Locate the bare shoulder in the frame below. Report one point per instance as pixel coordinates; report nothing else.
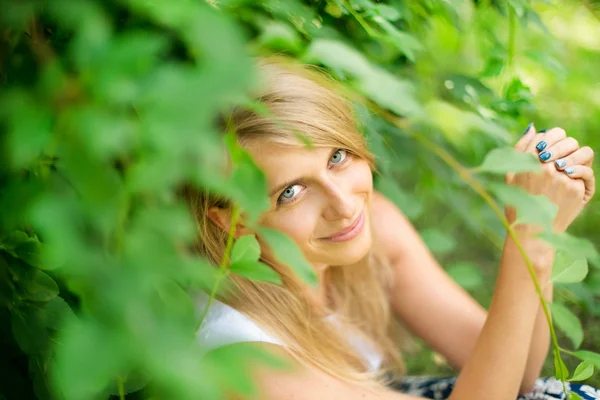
(298, 382)
(391, 228)
(382, 209)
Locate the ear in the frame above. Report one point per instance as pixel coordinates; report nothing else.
(222, 218)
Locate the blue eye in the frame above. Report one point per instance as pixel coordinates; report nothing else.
(338, 156)
(289, 193)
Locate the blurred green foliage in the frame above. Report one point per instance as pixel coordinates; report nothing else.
(107, 108)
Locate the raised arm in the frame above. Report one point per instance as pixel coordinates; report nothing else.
(497, 364)
(432, 305)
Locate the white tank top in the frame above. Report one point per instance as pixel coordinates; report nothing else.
(223, 325)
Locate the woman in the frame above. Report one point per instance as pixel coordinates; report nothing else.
(372, 265)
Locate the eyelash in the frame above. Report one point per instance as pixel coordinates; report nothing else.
(293, 199)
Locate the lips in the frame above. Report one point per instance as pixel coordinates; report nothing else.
(349, 232)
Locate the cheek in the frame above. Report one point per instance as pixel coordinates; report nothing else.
(299, 222)
(361, 177)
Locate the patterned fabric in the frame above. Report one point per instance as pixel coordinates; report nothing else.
(545, 388)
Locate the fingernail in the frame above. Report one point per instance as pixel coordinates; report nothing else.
(545, 156)
(543, 130)
(528, 128)
(569, 170)
(560, 163)
(541, 145)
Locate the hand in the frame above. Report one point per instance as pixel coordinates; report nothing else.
(567, 178)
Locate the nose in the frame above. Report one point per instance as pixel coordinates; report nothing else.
(339, 203)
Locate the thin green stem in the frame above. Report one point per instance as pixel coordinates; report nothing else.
(121, 388)
(512, 34)
(567, 352)
(360, 19)
(235, 213)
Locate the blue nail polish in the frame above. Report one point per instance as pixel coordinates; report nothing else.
(545, 156)
(528, 128)
(569, 170)
(560, 163)
(541, 145)
(543, 130)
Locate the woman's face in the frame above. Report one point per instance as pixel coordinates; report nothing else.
(321, 198)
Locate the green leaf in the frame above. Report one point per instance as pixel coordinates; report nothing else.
(339, 57)
(567, 270)
(574, 396)
(54, 312)
(560, 369)
(232, 362)
(38, 373)
(334, 9)
(466, 275)
(41, 288)
(280, 35)
(252, 352)
(29, 128)
(198, 272)
(249, 185)
(531, 209)
(175, 305)
(573, 245)
(29, 331)
(590, 356)
(518, 6)
(583, 372)
(245, 248)
(88, 357)
(507, 159)
(21, 245)
(29, 251)
(13, 239)
(105, 132)
(255, 270)
(406, 43)
(567, 322)
(132, 382)
(438, 241)
(381, 86)
(457, 124)
(493, 67)
(387, 12)
(287, 252)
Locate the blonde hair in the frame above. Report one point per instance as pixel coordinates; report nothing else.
(302, 100)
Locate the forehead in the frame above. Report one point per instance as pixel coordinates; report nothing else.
(280, 162)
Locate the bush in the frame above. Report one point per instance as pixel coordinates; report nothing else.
(107, 108)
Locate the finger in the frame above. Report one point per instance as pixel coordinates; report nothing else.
(582, 156)
(546, 139)
(559, 150)
(587, 175)
(526, 138)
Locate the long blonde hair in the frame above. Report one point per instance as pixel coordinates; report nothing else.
(302, 100)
